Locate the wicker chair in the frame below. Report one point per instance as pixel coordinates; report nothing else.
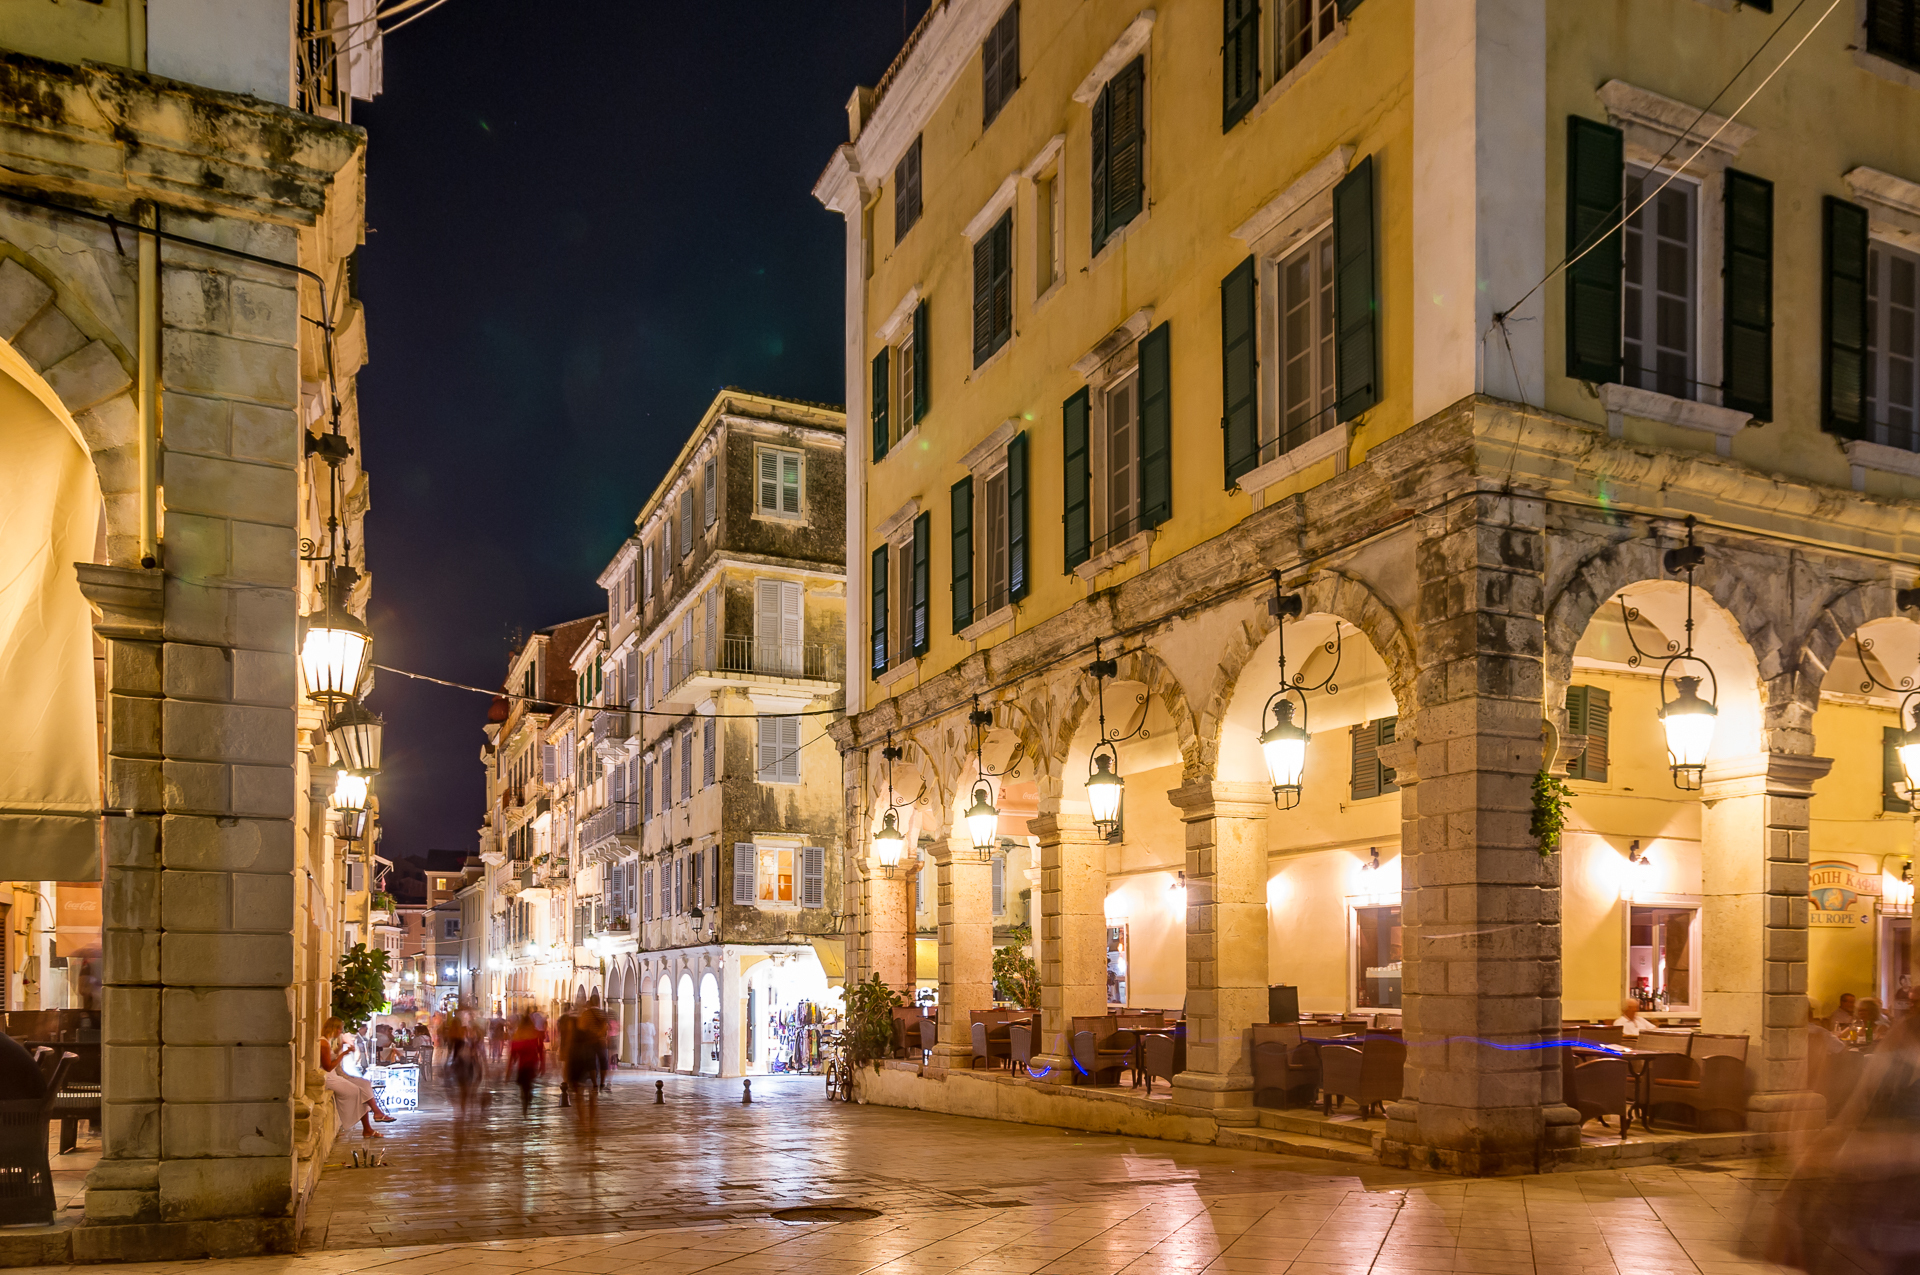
(1285, 1069)
(1098, 1061)
(1156, 1053)
(1019, 1046)
(1368, 1072)
(1596, 1088)
(1710, 1080)
(982, 1053)
(929, 1030)
(26, 1178)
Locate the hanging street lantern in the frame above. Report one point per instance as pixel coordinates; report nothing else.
(1106, 791)
(353, 734)
(349, 792)
(1689, 722)
(1283, 745)
(1687, 718)
(889, 844)
(983, 817)
(333, 654)
(1907, 749)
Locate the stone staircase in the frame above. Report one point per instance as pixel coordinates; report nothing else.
(1302, 1133)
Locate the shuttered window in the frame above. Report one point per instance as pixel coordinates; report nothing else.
(1075, 515)
(990, 545)
(906, 191)
(1844, 304)
(1372, 777)
(1239, 370)
(1893, 778)
(1239, 61)
(882, 391)
(917, 375)
(713, 627)
(778, 750)
(1747, 355)
(877, 621)
(1000, 63)
(686, 522)
(1156, 427)
(666, 774)
(646, 895)
(1596, 175)
(961, 499)
(1590, 713)
(646, 800)
(709, 752)
(779, 625)
(710, 487)
(1892, 367)
(922, 583)
(679, 885)
(1659, 313)
(993, 289)
(1893, 30)
(813, 876)
(999, 885)
(1356, 298)
(744, 863)
(1017, 516)
(1119, 151)
(1304, 26)
(778, 489)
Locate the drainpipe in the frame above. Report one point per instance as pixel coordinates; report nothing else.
(149, 375)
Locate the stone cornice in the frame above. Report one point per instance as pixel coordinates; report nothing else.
(113, 135)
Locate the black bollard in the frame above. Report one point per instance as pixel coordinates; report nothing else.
(659, 1092)
(746, 1093)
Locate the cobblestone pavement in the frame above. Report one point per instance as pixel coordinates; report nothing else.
(690, 1186)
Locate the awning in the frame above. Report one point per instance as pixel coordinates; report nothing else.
(833, 959)
(47, 846)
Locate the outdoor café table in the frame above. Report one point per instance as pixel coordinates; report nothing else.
(1636, 1060)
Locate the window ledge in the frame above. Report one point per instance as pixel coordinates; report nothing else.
(1133, 545)
(1121, 235)
(764, 515)
(1122, 51)
(1299, 71)
(1331, 442)
(990, 360)
(900, 672)
(981, 627)
(1886, 68)
(1626, 400)
(1862, 456)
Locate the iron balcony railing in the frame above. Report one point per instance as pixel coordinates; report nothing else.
(609, 822)
(819, 661)
(612, 726)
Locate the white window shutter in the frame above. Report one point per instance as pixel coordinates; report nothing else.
(770, 481)
(789, 736)
(708, 751)
(711, 506)
(745, 860)
(353, 876)
(549, 762)
(813, 876)
(713, 627)
(766, 615)
(686, 522)
(789, 484)
(792, 619)
(647, 682)
(999, 885)
(686, 634)
(767, 749)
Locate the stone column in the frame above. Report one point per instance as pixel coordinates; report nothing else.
(889, 915)
(1481, 905)
(1753, 927)
(630, 1027)
(965, 894)
(1226, 943)
(1071, 936)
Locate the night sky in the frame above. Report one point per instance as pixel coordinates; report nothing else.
(583, 219)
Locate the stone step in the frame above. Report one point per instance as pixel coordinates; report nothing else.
(1314, 1126)
(1299, 1144)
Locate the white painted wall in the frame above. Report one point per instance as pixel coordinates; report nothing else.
(242, 46)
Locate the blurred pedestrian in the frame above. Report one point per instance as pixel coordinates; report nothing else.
(527, 1057)
(586, 1049)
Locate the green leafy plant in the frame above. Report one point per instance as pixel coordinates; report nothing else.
(870, 1007)
(360, 987)
(382, 901)
(1551, 797)
(1015, 976)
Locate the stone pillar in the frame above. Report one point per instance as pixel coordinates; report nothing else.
(1227, 972)
(1753, 927)
(630, 1028)
(965, 893)
(1071, 936)
(889, 915)
(1481, 906)
(733, 1041)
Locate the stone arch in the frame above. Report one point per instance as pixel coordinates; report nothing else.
(1787, 718)
(1144, 666)
(1326, 592)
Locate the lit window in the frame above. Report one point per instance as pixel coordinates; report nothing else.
(1660, 957)
(1376, 959)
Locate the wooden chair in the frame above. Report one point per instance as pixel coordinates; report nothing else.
(1710, 1080)
(1368, 1072)
(1661, 1041)
(1285, 1067)
(1588, 1034)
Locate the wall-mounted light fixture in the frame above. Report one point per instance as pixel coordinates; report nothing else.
(1687, 718)
(1283, 745)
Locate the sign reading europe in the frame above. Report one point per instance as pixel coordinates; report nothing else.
(1841, 893)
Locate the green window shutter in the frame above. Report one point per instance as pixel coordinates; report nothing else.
(1365, 778)
(1239, 61)
(880, 387)
(1596, 184)
(1893, 779)
(1156, 427)
(1843, 297)
(920, 351)
(922, 582)
(1893, 30)
(1017, 516)
(877, 622)
(1239, 367)
(1346, 8)
(961, 497)
(983, 299)
(1589, 713)
(1748, 358)
(1127, 143)
(1356, 299)
(1001, 237)
(1098, 161)
(1076, 513)
(1386, 730)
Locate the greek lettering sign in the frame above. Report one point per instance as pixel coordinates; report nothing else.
(1842, 894)
(397, 1087)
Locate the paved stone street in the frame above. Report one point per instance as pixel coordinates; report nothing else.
(690, 1186)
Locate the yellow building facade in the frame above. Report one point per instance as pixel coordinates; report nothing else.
(1157, 316)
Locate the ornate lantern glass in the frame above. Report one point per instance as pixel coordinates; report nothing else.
(889, 844)
(983, 821)
(1104, 792)
(333, 655)
(1284, 746)
(349, 792)
(354, 735)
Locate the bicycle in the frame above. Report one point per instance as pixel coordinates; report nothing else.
(839, 1066)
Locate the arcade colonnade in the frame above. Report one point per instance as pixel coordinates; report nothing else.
(1452, 614)
(712, 1010)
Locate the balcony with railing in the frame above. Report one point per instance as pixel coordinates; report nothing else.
(610, 832)
(612, 728)
(742, 660)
